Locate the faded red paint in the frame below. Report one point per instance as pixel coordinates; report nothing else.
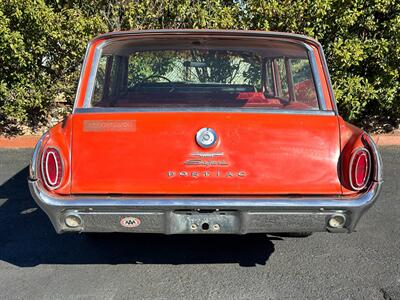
(275, 152)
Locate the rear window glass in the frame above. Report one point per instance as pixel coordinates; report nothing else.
(200, 73)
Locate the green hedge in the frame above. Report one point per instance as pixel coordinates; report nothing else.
(42, 44)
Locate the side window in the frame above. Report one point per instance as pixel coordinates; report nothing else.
(303, 84)
(105, 85)
(291, 79)
(98, 91)
(282, 79)
(269, 78)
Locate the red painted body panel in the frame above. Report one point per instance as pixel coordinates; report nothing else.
(279, 153)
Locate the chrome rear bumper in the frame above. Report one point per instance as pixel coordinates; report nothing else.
(183, 215)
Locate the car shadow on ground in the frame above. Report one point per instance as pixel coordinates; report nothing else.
(27, 239)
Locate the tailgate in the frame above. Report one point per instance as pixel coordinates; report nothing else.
(156, 153)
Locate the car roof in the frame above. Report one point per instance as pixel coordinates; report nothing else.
(210, 32)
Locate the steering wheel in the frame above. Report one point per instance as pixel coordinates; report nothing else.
(156, 76)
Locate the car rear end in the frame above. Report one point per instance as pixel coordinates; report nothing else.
(205, 132)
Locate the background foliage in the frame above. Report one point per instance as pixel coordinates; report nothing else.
(42, 44)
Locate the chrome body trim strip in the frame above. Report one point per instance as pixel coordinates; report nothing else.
(160, 202)
(377, 159)
(200, 110)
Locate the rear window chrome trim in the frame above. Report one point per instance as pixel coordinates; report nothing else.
(93, 73)
(82, 71)
(308, 48)
(317, 81)
(202, 110)
(328, 75)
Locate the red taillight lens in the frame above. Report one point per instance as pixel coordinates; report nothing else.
(360, 169)
(52, 168)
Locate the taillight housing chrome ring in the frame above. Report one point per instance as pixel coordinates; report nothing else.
(47, 154)
(354, 160)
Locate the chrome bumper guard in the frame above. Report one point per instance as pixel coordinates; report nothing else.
(185, 215)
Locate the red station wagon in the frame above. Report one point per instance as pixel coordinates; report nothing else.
(200, 131)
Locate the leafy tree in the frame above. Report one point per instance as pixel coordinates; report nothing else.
(42, 43)
(40, 54)
(361, 40)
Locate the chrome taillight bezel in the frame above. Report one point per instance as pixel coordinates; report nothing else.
(44, 167)
(34, 166)
(354, 185)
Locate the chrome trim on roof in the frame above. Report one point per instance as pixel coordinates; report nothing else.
(245, 33)
(201, 110)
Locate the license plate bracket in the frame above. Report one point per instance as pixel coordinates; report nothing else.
(196, 222)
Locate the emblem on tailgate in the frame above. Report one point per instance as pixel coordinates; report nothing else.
(206, 137)
(202, 159)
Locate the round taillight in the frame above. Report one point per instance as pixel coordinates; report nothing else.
(52, 168)
(360, 169)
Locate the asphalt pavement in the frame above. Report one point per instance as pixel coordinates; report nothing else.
(36, 263)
